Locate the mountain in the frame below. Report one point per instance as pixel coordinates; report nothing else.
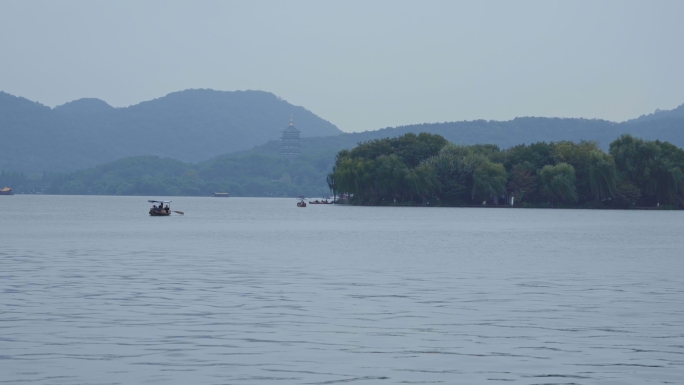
(506, 134)
(191, 126)
(197, 125)
(660, 114)
(85, 106)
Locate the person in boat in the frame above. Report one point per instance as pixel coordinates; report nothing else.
(167, 208)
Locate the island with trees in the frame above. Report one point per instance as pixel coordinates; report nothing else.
(426, 169)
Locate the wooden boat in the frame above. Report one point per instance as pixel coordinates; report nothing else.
(6, 191)
(220, 195)
(159, 211)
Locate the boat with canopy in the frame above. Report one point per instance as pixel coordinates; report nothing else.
(160, 210)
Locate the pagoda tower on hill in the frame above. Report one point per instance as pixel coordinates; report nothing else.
(289, 142)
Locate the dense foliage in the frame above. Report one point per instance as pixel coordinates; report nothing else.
(425, 169)
(244, 174)
(408, 170)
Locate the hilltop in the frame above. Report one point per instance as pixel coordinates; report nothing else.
(660, 114)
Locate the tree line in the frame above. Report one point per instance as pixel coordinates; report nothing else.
(242, 174)
(426, 169)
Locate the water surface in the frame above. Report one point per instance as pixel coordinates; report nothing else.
(258, 291)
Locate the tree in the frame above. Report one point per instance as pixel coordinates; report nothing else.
(523, 182)
(558, 182)
(489, 179)
(332, 184)
(454, 167)
(627, 194)
(389, 178)
(654, 167)
(537, 155)
(602, 175)
(422, 181)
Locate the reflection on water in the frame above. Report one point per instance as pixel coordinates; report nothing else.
(256, 291)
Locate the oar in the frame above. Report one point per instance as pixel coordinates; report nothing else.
(179, 212)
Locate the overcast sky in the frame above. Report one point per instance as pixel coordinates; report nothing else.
(362, 65)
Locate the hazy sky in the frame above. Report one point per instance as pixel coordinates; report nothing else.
(362, 65)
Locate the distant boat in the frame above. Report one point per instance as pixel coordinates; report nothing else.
(301, 203)
(6, 191)
(160, 211)
(220, 195)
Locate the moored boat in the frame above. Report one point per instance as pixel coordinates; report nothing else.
(317, 202)
(6, 191)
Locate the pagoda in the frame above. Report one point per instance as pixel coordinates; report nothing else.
(289, 142)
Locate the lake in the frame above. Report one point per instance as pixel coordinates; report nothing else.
(258, 291)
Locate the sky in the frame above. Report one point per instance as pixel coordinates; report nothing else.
(362, 65)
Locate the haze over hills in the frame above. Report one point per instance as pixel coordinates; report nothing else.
(660, 114)
(527, 130)
(190, 125)
(262, 171)
(197, 125)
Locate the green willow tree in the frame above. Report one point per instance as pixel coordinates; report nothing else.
(489, 180)
(654, 167)
(558, 183)
(602, 175)
(454, 167)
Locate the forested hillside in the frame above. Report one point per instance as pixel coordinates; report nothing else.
(191, 126)
(240, 174)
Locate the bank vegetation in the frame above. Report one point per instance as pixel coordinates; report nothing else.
(425, 169)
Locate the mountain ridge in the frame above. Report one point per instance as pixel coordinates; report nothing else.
(677, 112)
(189, 125)
(192, 126)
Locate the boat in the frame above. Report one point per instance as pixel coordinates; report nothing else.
(301, 203)
(317, 202)
(220, 195)
(160, 211)
(6, 191)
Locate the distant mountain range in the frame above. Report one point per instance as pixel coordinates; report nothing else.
(663, 126)
(191, 126)
(197, 125)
